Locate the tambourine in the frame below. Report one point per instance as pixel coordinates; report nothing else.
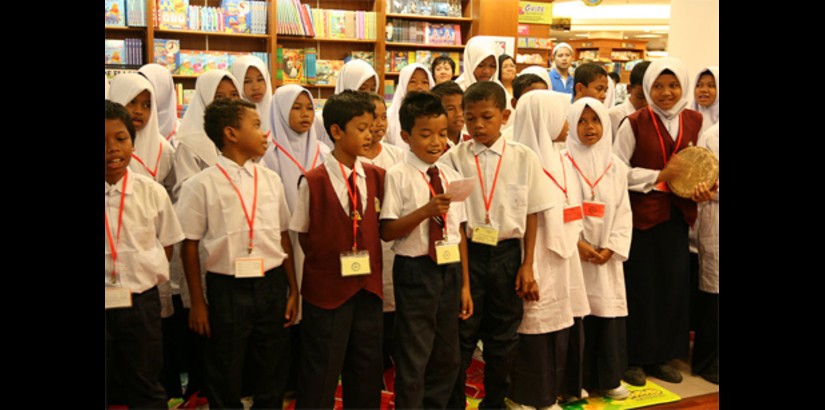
(702, 166)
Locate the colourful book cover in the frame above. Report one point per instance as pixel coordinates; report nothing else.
(136, 13)
(368, 56)
(190, 62)
(400, 60)
(455, 8)
(327, 71)
(424, 57)
(115, 14)
(214, 60)
(425, 7)
(441, 8)
(293, 66)
(115, 52)
(542, 43)
(310, 67)
(173, 14)
(236, 15)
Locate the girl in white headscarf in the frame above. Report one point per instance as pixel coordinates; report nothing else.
(195, 150)
(153, 155)
(604, 245)
(706, 95)
(413, 77)
(161, 79)
(539, 71)
(480, 62)
(252, 73)
(550, 335)
(659, 269)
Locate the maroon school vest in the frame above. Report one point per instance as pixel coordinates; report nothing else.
(330, 233)
(653, 208)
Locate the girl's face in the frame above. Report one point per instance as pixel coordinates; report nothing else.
(368, 86)
(226, 89)
(418, 81)
(379, 126)
(666, 91)
(140, 108)
(302, 114)
(508, 70)
(484, 71)
(443, 72)
(254, 85)
(705, 92)
(589, 127)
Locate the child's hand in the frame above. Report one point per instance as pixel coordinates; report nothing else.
(701, 193)
(676, 166)
(199, 319)
(438, 205)
(466, 304)
(587, 253)
(604, 256)
(291, 314)
(526, 286)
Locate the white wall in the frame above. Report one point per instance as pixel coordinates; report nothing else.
(694, 34)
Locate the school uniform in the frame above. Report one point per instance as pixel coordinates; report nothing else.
(428, 295)
(354, 73)
(477, 50)
(603, 180)
(617, 115)
(134, 352)
(342, 326)
(239, 69)
(658, 269)
(710, 115)
(549, 354)
(246, 315)
(393, 119)
(166, 99)
(498, 309)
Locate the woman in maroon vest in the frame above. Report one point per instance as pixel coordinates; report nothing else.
(657, 272)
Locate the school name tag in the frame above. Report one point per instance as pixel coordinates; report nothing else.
(662, 186)
(249, 267)
(118, 298)
(446, 253)
(355, 263)
(487, 235)
(594, 209)
(573, 213)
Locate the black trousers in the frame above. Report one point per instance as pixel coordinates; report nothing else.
(176, 355)
(574, 366)
(428, 302)
(246, 317)
(134, 353)
(706, 341)
(343, 341)
(496, 318)
(539, 369)
(605, 352)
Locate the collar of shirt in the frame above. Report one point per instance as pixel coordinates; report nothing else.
(418, 164)
(335, 171)
(478, 148)
(117, 187)
(233, 169)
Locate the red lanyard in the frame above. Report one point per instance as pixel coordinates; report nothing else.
(662, 140)
(564, 175)
(488, 202)
(249, 221)
(352, 196)
(157, 162)
(169, 137)
(432, 191)
(113, 243)
(592, 185)
(303, 171)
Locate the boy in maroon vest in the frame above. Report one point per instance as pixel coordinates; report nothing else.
(337, 220)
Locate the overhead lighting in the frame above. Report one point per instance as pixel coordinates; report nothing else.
(657, 53)
(619, 27)
(575, 9)
(582, 35)
(648, 36)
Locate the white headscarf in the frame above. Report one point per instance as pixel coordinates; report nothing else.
(165, 96)
(592, 160)
(148, 141)
(477, 50)
(560, 46)
(610, 95)
(302, 147)
(393, 120)
(653, 71)
(539, 71)
(191, 132)
(239, 69)
(710, 115)
(353, 74)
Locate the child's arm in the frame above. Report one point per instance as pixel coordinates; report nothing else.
(466, 296)
(526, 286)
(198, 315)
(291, 314)
(641, 179)
(392, 229)
(300, 217)
(168, 250)
(621, 230)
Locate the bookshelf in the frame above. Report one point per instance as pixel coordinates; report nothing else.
(609, 51)
(528, 47)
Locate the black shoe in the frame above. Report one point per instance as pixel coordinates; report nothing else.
(665, 372)
(634, 376)
(711, 374)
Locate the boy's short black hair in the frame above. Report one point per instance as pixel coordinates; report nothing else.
(501, 59)
(440, 60)
(417, 105)
(115, 111)
(447, 88)
(222, 113)
(341, 108)
(586, 74)
(615, 76)
(637, 75)
(523, 81)
(376, 98)
(485, 90)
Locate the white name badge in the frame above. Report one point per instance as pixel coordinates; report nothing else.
(249, 267)
(355, 263)
(447, 253)
(485, 234)
(118, 298)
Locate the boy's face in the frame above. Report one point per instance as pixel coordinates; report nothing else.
(248, 136)
(705, 92)
(368, 85)
(379, 127)
(355, 139)
(455, 115)
(484, 71)
(227, 90)
(118, 149)
(428, 138)
(562, 59)
(666, 91)
(638, 92)
(418, 81)
(443, 72)
(484, 120)
(596, 89)
(589, 127)
(140, 108)
(538, 85)
(302, 114)
(254, 85)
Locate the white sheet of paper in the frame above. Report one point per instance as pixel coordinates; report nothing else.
(461, 189)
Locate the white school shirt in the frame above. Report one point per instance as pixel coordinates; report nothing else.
(708, 227)
(405, 190)
(149, 225)
(618, 113)
(519, 190)
(210, 212)
(639, 179)
(387, 158)
(300, 217)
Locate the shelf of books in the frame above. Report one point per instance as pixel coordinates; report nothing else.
(210, 33)
(441, 19)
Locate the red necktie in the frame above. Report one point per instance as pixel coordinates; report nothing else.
(436, 222)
